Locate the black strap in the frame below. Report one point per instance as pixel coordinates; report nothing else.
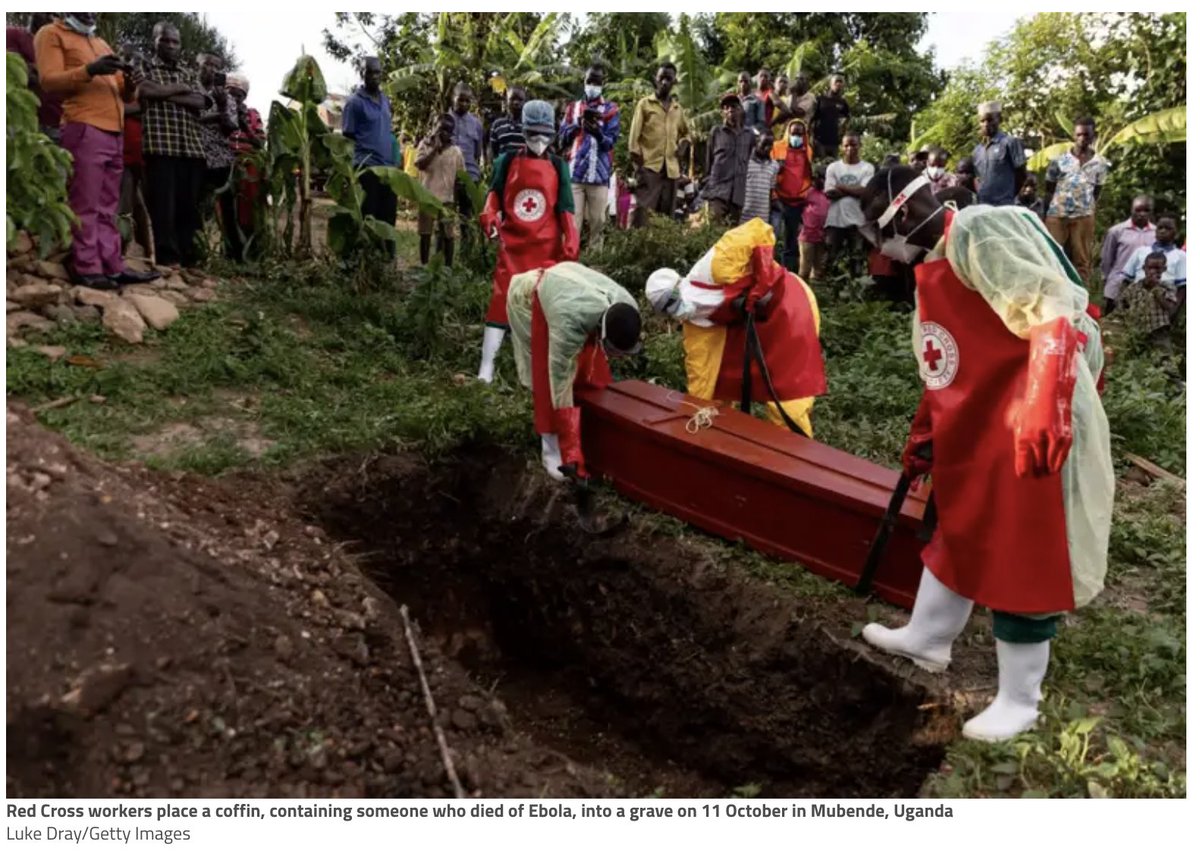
(754, 346)
(886, 526)
(929, 520)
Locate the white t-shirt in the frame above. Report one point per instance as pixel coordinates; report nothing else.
(845, 212)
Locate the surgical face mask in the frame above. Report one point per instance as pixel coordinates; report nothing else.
(591, 92)
(935, 171)
(537, 143)
(899, 249)
(796, 141)
(79, 27)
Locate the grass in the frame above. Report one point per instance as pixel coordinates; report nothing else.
(324, 364)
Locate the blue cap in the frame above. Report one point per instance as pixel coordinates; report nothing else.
(537, 116)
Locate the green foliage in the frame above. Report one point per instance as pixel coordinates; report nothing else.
(37, 169)
(629, 257)
(305, 83)
(1147, 413)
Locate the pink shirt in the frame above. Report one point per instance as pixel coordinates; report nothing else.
(814, 217)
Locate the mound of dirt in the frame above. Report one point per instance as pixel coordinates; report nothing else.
(241, 637)
(177, 636)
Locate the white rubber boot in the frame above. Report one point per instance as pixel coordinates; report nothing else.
(939, 616)
(1015, 709)
(493, 337)
(551, 455)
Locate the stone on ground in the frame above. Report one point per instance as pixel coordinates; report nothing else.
(19, 320)
(158, 312)
(91, 296)
(51, 270)
(122, 319)
(36, 294)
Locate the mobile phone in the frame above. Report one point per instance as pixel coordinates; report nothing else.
(219, 79)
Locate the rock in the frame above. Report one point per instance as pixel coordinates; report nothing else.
(159, 313)
(284, 647)
(19, 320)
(37, 294)
(51, 270)
(145, 290)
(202, 294)
(22, 243)
(51, 352)
(99, 687)
(10, 307)
(122, 319)
(137, 264)
(91, 296)
(353, 647)
(462, 719)
(319, 599)
(134, 752)
(60, 313)
(86, 313)
(173, 297)
(175, 282)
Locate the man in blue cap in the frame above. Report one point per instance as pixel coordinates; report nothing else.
(530, 207)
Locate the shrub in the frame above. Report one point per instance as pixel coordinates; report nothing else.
(629, 257)
(37, 170)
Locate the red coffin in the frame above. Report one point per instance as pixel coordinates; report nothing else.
(744, 479)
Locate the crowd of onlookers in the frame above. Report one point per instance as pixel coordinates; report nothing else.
(156, 142)
(153, 143)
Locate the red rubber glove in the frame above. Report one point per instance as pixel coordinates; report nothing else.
(489, 219)
(766, 276)
(570, 443)
(913, 458)
(570, 236)
(1041, 421)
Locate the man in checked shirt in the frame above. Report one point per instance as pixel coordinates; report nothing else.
(171, 142)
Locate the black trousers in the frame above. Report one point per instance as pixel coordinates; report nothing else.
(379, 201)
(173, 189)
(793, 219)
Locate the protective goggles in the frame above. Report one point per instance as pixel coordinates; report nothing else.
(873, 231)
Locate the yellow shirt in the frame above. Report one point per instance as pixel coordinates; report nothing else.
(655, 134)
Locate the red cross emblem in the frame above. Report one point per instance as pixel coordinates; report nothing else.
(529, 205)
(939, 356)
(932, 354)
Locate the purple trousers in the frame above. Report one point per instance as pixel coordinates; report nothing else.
(95, 197)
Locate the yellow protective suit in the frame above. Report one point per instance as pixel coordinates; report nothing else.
(704, 341)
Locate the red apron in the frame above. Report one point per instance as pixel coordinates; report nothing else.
(1001, 540)
(529, 233)
(790, 349)
(591, 371)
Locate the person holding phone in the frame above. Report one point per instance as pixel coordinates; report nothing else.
(217, 122)
(73, 62)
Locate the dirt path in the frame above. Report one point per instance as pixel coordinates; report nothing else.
(177, 635)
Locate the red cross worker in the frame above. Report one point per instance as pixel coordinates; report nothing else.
(530, 209)
(1010, 429)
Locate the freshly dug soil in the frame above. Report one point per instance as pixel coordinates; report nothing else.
(241, 637)
(179, 636)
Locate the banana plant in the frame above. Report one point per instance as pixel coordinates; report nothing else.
(1160, 128)
(294, 143)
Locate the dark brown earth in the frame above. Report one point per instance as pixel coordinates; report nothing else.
(240, 637)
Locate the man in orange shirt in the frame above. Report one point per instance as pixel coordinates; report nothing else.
(792, 185)
(76, 64)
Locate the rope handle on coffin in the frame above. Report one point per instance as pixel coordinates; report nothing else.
(702, 420)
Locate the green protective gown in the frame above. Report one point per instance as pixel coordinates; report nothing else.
(573, 298)
(1008, 257)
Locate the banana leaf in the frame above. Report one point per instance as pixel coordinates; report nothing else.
(407, 188)
(1165, 126)
(476, 191)
(1041, 159)
(283, 130)
(305, 82)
